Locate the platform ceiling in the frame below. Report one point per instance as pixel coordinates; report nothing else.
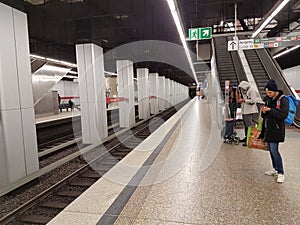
(55, 26)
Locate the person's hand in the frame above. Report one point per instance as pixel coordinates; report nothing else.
(265, 109)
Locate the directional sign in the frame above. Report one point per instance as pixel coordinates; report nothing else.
(205, 33)
(246, 44)
(194, 34)
(233, 46)
(200, 33)
(264, 43)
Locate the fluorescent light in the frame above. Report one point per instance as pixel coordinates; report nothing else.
(54, 69)
(176, 17)
(69, 76)
(267, 21)
(286, 51)
(72, 72)
(172, 5)
(110, 73)
(54, 60)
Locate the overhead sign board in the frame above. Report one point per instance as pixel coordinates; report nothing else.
(264, 43)
(200, 33)
(246, 44)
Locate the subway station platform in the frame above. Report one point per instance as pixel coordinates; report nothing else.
(60, 116)
(189, 176)
(64, 115)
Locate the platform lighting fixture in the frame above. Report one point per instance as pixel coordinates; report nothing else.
(64, 63)
(286, 51)
(175, 13)
(73, 72)
(110, 73)
(71, 77)
(267, 21)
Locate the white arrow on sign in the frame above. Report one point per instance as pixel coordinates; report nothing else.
(205, 32)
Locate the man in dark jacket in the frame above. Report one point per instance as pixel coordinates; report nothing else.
(274, 112)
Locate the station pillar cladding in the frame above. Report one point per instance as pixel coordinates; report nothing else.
(161, 93)
(126, 91)
(167, 92)
(92, 87)
(18, 142)
(143, 93)
(153, 81)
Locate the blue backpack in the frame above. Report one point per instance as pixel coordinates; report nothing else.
(293, 103)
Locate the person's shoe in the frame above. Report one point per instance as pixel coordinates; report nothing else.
(243, 140)
(271, 172)
(245, 144)
(280, 178)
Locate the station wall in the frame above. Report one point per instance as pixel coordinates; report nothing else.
(293, 77)
(67, 89)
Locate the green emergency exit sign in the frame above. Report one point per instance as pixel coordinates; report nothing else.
(200, 33)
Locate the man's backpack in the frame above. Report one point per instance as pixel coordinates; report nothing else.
(293, 103)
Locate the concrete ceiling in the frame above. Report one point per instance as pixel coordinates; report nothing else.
(55, 26)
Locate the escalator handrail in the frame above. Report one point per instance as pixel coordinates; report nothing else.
(278, 76)
(214, 53)
(275, 74)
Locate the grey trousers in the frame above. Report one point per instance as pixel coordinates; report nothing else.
(247, 118)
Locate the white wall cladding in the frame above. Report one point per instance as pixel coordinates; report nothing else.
(18, 147)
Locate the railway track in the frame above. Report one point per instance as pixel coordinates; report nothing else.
(46, 205)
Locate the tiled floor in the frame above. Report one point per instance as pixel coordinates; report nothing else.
(231, 190)
(197, 179)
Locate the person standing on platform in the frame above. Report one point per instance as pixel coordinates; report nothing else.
(274, 112)
(247, 96)
(198, 93)
(59, 100)
(71, 104)
(232, 101)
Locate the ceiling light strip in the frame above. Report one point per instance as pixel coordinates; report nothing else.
(176, 16)
(286, 51)
(273, 14)
(64, 63)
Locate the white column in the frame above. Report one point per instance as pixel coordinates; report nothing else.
(161, 93)
(171, 93)
(174, 93)
(18, 144)
(153, 79)
(143, 93)
(167, 93)
(126, 90)
(92, 86)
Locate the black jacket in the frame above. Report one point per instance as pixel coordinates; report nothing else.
(273, 129)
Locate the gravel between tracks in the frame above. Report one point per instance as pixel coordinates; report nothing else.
(13, 200)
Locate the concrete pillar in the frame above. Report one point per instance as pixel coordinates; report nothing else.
(92, 85)
(161, 93)
(143, 93)
(171, 92)
(126, 90)
(175, 93)
(18, 144)
(153, 80)
(168, 97)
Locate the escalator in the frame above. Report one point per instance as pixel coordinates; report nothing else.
(228, 63)
(225, 65)
(263, 68)
(259, 72)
